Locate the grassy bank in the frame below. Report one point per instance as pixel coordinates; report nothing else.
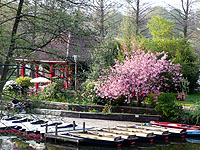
(191, 100)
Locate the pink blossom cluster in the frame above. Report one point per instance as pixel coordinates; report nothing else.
(141, 71)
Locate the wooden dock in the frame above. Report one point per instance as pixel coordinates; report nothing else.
(62, 137)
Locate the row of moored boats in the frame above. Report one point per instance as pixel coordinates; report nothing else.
(27, 128)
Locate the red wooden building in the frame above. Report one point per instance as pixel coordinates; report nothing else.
(61, 58)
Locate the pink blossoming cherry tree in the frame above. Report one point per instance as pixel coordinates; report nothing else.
(140, 73)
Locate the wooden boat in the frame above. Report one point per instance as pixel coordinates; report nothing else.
(191, 130)
(128, 139)
(175, 125)
(21, 127)
(90, 138)
(193, 133)
(107, 133)
(159, 134)
(156, 132)
(11, 118)
(192, 140)
(124, 131)
(31, 125)
(141, 135)
(174, 132)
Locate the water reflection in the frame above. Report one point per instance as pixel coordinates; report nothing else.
(12, 143)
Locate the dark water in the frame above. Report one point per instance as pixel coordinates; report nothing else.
(12, 143)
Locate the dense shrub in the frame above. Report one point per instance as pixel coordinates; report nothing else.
(150, 99)
(191, 116)
(89, 93)
(25, 83)
(49, 91)
(11, 87)
(53, 92)
(166, 105)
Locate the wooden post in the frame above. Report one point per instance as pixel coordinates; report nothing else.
(46, 129)
(22, 69)
(62, 72)
(66, 77)
(43, 70)
(52, 71)
(56, 132)
(74, 125)
(36, 75)
(83, 127)
(18, 67)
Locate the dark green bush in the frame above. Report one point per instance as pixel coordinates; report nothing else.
(167, 106)
(89, 93)
(52, 91)
(150, 100)
(191, 116)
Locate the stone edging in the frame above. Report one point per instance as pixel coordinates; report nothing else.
(103, 116)
(85, 108)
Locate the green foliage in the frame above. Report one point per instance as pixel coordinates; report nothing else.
(33, 104)
(190, 71)
(184, 86)
(167, 106)
(24, 82)
(54, 91)
(102, 58)
(49, 91)
(191, 116)
(11, 87)
(92, 110)
(160, 28)
(150, 100)
(127, 28)
(107, 108)
(181, 51)
(89, 93)
(185, 56)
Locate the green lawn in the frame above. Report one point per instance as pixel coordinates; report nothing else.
(191, 100)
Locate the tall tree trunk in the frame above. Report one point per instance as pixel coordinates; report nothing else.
(137, 17)
(11, 47)
(102, 20)
(185, 19)
(1, 67)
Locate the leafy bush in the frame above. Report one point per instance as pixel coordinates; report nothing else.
(167, 106)
(53, 92)
(49, 91)
(11, 87)
(179, 49)
(89, 93)
(25, 83)
(191, 116)
(150, 100)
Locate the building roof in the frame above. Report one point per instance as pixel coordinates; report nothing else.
(63, 49)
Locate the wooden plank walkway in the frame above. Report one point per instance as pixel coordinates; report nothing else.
(62, 137)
